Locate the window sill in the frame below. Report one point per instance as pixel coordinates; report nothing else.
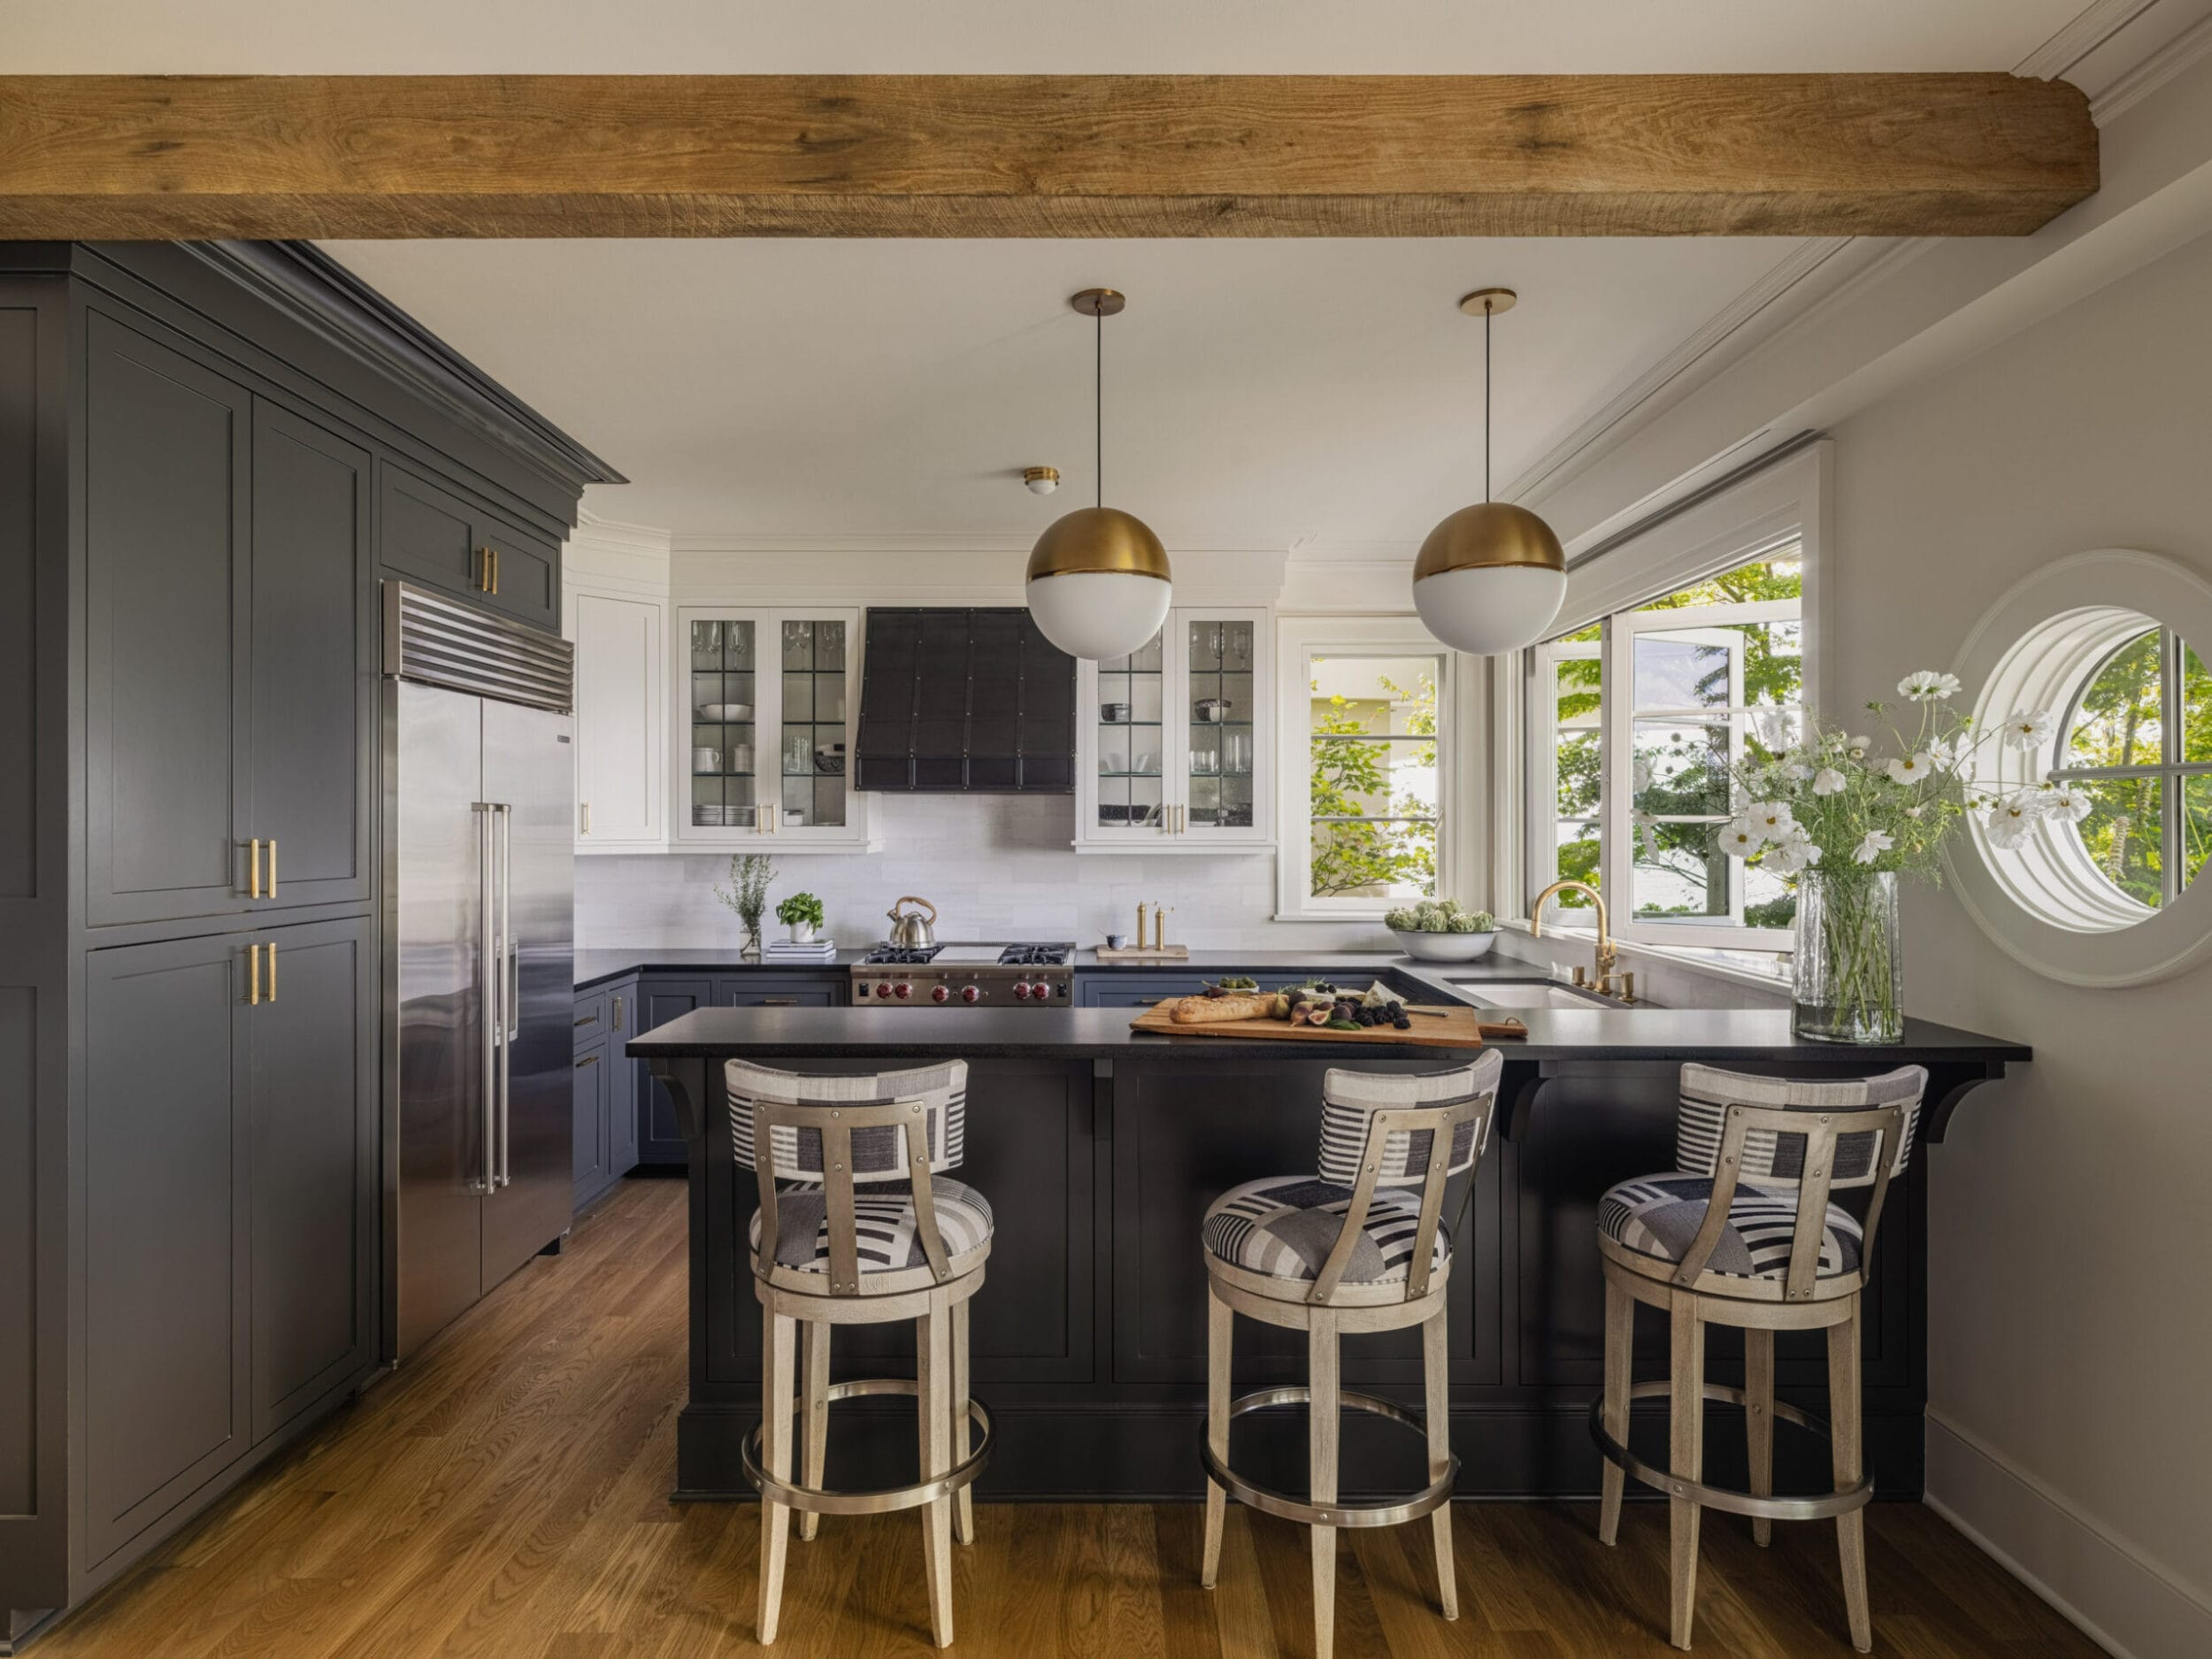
(1734, 967)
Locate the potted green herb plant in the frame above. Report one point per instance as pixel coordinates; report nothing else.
(802, 913)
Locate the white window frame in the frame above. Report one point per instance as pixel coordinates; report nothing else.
(1299, 640)
(1754, 519)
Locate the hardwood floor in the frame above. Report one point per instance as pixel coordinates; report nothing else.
(507, 1493)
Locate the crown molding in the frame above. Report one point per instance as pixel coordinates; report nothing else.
(2145, 77)
(2089, 30)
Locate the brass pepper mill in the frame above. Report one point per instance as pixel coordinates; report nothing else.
(1159, 929)
(1142, 908)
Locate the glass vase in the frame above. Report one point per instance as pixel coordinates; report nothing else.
(1850, 974)
(751, 952)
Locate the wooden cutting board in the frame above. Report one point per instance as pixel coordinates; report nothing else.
(1457, 1027)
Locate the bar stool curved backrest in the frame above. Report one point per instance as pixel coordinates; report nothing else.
(1815, 1136)
(1385, 1129)
(890, 1127)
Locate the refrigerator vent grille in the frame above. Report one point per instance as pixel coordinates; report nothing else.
(441, 642)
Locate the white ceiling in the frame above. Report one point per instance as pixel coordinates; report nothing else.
(1005, 36)
(1259, 394)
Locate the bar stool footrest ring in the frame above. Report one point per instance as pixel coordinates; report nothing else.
(1823, 1506)
(875, 1499)
(1268, 1500)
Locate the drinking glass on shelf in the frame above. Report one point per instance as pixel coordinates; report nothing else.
(706, 644)
(1237, 758)
(798, 755)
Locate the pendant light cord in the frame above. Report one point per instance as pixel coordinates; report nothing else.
(1098, 405)
(1487, 307)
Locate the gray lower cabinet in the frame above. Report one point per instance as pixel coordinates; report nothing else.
(230, 1204)
(587, 1085)
(660, 1140)
(1133, 990)
(603, 1090)
(229, 693)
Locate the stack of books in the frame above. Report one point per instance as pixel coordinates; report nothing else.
(815, 950)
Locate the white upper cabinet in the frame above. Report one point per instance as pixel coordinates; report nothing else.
(1174, 742)
(621, 791)
(764, 704)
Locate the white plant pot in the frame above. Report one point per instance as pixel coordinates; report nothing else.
(1444, 947)
(802, 932)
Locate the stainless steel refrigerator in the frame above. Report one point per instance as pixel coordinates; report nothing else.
(480, 790)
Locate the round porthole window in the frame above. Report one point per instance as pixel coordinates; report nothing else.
(2095, 662)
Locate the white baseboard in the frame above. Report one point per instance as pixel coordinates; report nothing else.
(2130, 1606)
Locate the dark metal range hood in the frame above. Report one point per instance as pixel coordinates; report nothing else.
(964, 701)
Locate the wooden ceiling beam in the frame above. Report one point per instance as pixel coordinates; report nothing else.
(123, 156)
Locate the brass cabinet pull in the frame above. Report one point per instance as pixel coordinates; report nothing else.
(253, 869)
(495, 570)
(585, 806)
(588, 1019)
(779, 1001)
(272, 871)
(273, 970)
(483, 570)
(617, 1013)
(253, 976)
(589, 1059)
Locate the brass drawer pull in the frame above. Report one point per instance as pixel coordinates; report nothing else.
(273, 956)
(589, 1059)
(272, 871)
(253, 868)
(779, 1001)
(253, 976)
(588, 1019)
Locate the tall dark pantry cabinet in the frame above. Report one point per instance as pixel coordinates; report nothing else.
(210, 456)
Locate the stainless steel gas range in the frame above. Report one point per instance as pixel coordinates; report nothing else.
(966, 976)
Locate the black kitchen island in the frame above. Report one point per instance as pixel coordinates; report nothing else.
(1100, 1149)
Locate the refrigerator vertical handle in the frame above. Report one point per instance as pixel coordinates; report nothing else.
(489, 982)
(510, 965)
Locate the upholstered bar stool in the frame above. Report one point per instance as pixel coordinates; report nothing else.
(1358, 1247)
(1742, 1233)
(855, 1228)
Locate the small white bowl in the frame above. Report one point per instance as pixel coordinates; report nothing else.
(721, 711)
(1445, 947)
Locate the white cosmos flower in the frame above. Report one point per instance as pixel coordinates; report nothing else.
(1856, 747)
(1641, 773)
(2062, 800)
(1773, 819)
(1740, 839)
(1927, 686)
(2027, 728)
(1800, 852)
(1915, 811)
(2012, 818)
(1796, 771)
(1949, 754)
(1874, 844)
(1911, 768)
(1828, 781)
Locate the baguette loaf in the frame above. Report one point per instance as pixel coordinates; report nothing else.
(1205, 1011)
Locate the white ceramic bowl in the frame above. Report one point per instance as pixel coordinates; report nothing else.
(1444, 947)
(719, 712)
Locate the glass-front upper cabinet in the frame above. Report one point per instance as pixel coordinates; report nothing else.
(1173, 739)
(766, 718)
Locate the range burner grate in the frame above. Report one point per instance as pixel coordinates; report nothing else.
(1034, 956)
(899, 955)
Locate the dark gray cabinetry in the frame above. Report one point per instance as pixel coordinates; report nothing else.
(622, 1078)
(434, 536)
(311, 1117)
(587, 1085)
(167, 477)
(313, 704)
(603, 1090)
(658, 999)
(1131, 990)
(660, 1143)
(167, 1275)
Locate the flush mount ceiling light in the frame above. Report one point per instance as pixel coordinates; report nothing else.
(1491, 577)
(1098, 582)
(1043, 480)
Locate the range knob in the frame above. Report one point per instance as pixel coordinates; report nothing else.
(901, 990)
(883, 989)
(971, 994)
(1021, 992)
(940, 993)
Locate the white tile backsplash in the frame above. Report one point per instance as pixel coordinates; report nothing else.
(997, 867)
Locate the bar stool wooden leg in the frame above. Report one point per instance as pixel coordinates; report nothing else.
(777, 1340)
(1843, 1414)
(1620, 1329)
(1686, 1409)
(814, 1363)
(1758, 1423)
(1221, 1322)
(1439, 1407)
(1324, 1424)
(932, 1354)
(964, 1504)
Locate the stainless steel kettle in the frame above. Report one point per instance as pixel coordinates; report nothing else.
(908, 928)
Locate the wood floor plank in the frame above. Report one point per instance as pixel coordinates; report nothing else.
(505, 1493)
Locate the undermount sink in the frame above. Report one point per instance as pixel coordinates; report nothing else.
(1514, 993)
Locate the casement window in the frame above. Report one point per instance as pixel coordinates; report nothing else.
(1635, 721)
(1367, 714)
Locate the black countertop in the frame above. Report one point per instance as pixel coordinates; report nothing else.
(596, 967)
(1669, 1035)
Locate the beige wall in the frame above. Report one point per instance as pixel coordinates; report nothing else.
(2070, 1323)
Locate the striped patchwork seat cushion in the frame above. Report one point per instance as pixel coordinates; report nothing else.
(1285, 1227)
(1659, 1215)
(883, 1225)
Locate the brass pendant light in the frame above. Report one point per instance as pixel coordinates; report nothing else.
(1098, 582)
(1490, 578)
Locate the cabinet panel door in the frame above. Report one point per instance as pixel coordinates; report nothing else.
(426, 534)
(525, 575)
(660, 1137)
(311, 1113)
(619, 746)
(587, 1087)
(1123, 745)
(166, 571)
(755, 990)
(166, 1356)
(314, 681)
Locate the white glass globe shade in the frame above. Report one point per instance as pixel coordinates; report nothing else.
(1490, 609)
(1099, 614)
